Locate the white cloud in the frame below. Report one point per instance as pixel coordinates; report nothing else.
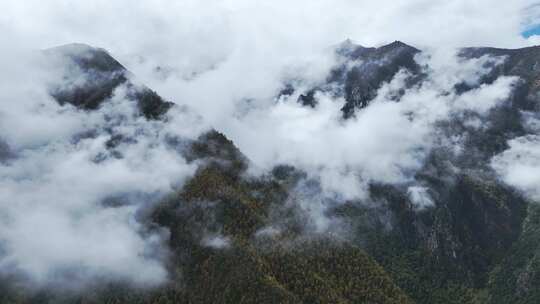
(386, 142)
(420, 197)
(519, 166)
(226, 60)
(216, 242)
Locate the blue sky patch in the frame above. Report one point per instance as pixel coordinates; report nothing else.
(535, 30)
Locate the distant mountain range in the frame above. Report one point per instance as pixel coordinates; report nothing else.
(478, 241)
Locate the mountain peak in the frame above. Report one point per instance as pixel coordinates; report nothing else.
(398, 45)
(99, 74)
(348, 48)
(74, 47)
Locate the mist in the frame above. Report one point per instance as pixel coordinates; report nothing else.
(69, 204)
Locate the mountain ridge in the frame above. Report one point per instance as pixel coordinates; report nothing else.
(456, 251)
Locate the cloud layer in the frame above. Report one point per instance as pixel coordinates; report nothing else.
(69, 204)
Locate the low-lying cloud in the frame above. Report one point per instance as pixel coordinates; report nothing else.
(519, 165)
(69, 204)
(386, 142)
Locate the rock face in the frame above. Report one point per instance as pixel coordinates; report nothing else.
(451, 252)
(91, 77)
(216, 254)
(478, 242)
(517, 277)
(374, 67)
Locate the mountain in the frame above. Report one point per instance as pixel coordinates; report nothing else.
(478, 242)
(465, 248)
(362, 72)
(519, 62)
(97, 75)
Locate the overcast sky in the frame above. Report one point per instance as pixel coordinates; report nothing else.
(206, 28)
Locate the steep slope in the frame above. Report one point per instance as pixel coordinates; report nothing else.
(248, 268)
(517, 278)
(91, 76)
(216, 255)
(476, 243)
(524, 63)
(372, 67)
(216, 252)
(362, 72)
(443, 254)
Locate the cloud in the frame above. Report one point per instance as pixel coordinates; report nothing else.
(70, 206)
(186, 47)
(420, 197)
(519, 165)
(386, 142)
(67, 202)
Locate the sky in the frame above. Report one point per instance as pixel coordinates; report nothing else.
(534, 31)
(225, 60)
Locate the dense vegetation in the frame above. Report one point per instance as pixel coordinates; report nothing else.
(246, 268)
